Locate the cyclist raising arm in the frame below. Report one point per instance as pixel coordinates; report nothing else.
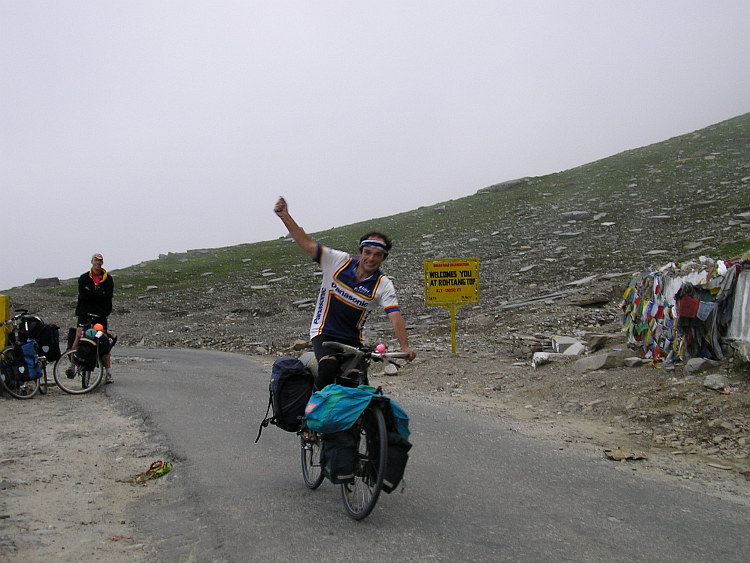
(350, 290)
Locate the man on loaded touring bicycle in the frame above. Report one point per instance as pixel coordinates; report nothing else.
(350, 290)
(350, 432)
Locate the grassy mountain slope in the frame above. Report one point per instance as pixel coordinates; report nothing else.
(685, 196)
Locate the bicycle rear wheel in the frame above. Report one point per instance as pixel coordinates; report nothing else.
(71, 378)
(362, 494)
(17, 389)
(312, 472)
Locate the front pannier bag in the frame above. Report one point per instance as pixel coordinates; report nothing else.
(85, 354)
(289, 390)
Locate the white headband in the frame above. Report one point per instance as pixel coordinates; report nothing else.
(379, 244)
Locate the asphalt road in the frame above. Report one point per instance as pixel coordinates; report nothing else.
(475, 489)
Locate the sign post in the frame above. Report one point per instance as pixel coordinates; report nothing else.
(4, 315)
(451, 283)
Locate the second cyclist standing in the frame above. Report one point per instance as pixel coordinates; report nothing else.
(95, 291)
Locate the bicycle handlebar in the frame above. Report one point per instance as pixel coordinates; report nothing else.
(19, 313)
(389, 355)
(367, 352)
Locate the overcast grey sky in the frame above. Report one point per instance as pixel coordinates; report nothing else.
(135, 128)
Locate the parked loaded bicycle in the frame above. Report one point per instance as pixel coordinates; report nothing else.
(349, 432)
(80, 369)
(23, 363)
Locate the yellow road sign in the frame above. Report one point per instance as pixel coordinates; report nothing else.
(451, 283)
(454, 280)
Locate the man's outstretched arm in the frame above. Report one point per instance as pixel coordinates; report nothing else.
(303, 240)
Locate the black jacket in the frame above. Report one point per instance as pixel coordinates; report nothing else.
(92, 298)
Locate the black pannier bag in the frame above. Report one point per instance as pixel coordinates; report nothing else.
(106, 341)
(398, 450)
(85, 354)
(48, 339)
(398, 455)
(339, 455)
(47, 336)
(290, 389)
(8, 368)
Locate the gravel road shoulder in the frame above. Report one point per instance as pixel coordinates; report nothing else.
(67, 474)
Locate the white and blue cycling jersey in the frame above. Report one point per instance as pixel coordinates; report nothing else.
(344, 304)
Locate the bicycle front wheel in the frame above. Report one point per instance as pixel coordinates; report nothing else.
(71, 378)
(361, 495)
(17, 389)
(312, 472)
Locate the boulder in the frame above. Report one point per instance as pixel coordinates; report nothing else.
(697, 365)
(716, 381)
(541, 358)
(575, 349)
(390, 369)
(562, 343)
(46, 282)
(607, 360)
(596, 342)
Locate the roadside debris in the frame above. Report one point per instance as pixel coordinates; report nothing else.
(623, 455)
(157, 469)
